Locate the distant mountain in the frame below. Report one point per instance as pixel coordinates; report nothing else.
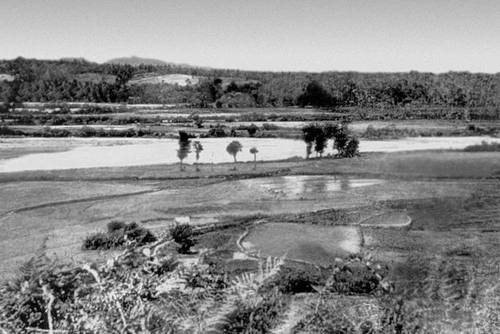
(135, 61)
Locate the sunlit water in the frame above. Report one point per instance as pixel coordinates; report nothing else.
(297, 186)
(134, 152)
(310, 243)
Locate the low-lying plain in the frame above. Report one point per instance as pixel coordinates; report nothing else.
(435, 272)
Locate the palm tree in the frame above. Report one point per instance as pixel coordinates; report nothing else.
(254, 151)
(234, 148)
(197, 148)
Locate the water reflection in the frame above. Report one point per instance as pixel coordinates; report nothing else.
(296, 186)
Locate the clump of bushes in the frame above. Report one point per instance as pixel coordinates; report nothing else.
(217, 131)
(256, 318)
(183, 235)
(118, 234)
(292, 281)
(356, 276)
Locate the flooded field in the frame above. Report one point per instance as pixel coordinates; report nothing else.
(298, 186)
(97, 152)
(311, 243)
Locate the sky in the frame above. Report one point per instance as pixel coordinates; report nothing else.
(284, 35)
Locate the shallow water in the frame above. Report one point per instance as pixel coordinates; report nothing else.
(135, 152)
(310, 243)
(297, 186)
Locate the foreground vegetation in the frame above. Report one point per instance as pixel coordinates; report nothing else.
(150, 289)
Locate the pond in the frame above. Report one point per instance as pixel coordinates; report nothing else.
(300, 186)
(310, 243)
(105, 152)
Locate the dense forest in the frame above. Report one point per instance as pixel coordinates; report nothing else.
(79, 80)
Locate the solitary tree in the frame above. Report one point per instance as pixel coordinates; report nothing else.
(197, 148)
(184, 147)
(234, 148)
(254, 151)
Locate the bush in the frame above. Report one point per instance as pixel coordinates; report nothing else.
(292, 281)
(217, 131)
(356, 277)
(260, 318)
(183, 235)
(252, 129)
(101, 240)
(117, 236)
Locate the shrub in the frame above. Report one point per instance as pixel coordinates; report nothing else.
(183, 235)
(217, 131)
(101, 240)
(356, 277)
(252, 129)
(260, 318)
(117, 236)
(292, 281)
(139, 234)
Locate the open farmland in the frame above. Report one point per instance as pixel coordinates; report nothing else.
(312, 211)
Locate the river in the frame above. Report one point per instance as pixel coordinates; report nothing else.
(105, 152)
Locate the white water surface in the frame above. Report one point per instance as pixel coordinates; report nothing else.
(106, 152)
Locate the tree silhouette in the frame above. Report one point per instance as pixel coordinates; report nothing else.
(254, 151)
(184, 148)
(197, 148)
(315, 95)
(234, 148)
(320, 141)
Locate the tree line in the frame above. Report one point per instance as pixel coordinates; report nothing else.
(79, 80)
(314, 135)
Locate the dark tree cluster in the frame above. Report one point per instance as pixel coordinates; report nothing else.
(80, 80)
(316, 137)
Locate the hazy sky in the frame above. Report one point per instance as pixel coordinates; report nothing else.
(313, 35)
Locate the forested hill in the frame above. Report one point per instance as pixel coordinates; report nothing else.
(79, 80)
